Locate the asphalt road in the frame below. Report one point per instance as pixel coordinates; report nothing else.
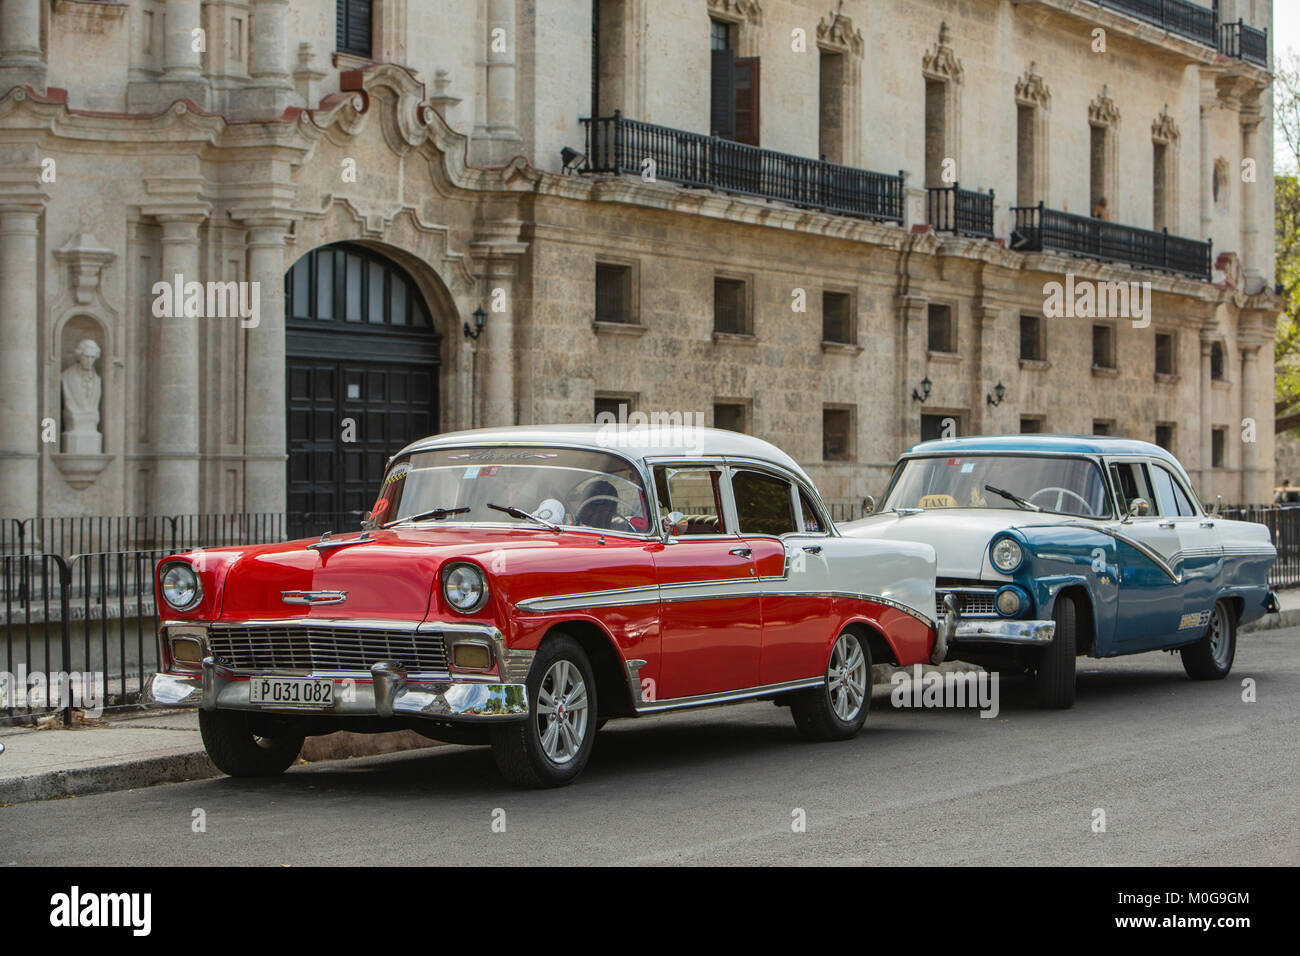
(1186, 773)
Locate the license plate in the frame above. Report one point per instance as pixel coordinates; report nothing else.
(291, 692)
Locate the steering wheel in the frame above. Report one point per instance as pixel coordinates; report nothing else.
(1060, 498)
(598, 499)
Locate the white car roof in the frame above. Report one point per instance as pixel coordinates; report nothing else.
(632, 441)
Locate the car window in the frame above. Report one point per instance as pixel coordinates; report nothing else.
(813, 522)
(1170, 495)
(694, 493)
(1132, 482)
(763, 503)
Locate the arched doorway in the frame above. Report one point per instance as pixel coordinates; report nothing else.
(362, 357)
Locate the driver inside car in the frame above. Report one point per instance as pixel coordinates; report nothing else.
(598, 507)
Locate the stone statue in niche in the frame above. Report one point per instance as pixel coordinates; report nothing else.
(82, 390)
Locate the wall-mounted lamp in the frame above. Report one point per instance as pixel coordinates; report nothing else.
(572, 161)
(480, 317)
(1000, 391)
(926, 385)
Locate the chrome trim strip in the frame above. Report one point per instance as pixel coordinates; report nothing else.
(366, 624)
(313, 597)
(704, 700)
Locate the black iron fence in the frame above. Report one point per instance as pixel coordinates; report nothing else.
(961, 211)
(1243, 41)
(1284, 527)
(615, 144)
(1039, 228)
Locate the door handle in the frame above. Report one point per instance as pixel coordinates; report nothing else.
(1207, 524)
(813, 548)
(741, 552)
(1167, 524)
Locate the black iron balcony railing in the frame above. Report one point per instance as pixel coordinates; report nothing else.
(1176, 16)
(615, 144)
(1039, 228)
(961, 211)
(1243, 41)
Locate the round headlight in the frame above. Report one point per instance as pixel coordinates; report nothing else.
(180, 586)
(464, 587)
(1008, 602)
(1007, 555)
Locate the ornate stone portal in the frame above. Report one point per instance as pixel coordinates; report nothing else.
(82, 390)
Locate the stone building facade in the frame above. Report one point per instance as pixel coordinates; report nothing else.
(301, 234)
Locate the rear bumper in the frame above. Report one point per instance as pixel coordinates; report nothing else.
(386, 691)
(1271, 604)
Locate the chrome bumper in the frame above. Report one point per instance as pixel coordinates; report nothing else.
(1271, 604)
(386, 691)
(1004, 631)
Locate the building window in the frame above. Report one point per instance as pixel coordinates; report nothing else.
(1216, 362)
(614, 293)
(1031, 425)
(352, 27)
(1164, 353)
(1031, 338)
(731, 306)
(1165, 436)
(837, 434)
(830, 127)
(940, 426)
(1103, 347)
(1162, 170)
(1102, 427)
(733, 416)
(837, 317)
(942, 331)
(1032, 101)
(612, 75)
(1103, 119)
(612, 407)
(1218, 443)
(733, 87)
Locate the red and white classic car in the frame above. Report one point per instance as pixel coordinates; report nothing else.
(522, 586)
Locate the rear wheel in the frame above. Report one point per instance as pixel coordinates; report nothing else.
(551, 747)
(248, 745)
(837, 708)
(1211, 657)
(1054, 678)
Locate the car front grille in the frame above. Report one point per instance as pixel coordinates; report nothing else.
(970, 603)
(314, 647)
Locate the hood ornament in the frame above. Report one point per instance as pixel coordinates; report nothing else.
(313, 597)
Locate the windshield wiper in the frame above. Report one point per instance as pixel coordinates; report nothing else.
(1022, 502)
(436, 513)
(520, 513)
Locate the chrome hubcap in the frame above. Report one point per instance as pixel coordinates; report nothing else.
(1219, 642)
(562, 712)
(846, 678)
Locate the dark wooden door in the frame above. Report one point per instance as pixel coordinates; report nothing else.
(362, 378)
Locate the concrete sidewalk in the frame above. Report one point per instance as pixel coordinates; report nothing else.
(163, 746)
(141, 750)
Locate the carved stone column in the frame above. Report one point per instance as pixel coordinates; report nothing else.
(182, 64)
(497, 137)
(271, 89)
(1203, 436)
(498, 249)
(21, 204)
(1250, 119)
(22, 62)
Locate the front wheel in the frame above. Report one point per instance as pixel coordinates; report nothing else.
(1211, 657)
(248, 745)
(837, 708)
(551, 747)
(1054, 677)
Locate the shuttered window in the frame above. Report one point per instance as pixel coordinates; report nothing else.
(352, 27)
(722, 100)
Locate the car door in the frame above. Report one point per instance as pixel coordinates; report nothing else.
(1150, 589)
(789, 546)
(1200, 551)
(709, 606)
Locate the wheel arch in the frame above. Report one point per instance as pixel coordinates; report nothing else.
(1086, 620)
(613, 697)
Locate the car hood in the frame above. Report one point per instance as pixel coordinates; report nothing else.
(959, 536)
(387, 574)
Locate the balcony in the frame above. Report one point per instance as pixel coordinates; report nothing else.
(963, 212)
(1040, 229)
(1177, 16)
(1244, 42)
(615, 144)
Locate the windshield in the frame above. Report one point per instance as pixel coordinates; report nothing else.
(1071, 486)
(561, 486)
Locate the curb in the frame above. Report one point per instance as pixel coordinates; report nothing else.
(1271, 622)
(194, 765)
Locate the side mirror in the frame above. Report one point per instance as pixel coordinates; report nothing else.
(1137, 508)
(868, 505)
(1218, 505)
(674, 523)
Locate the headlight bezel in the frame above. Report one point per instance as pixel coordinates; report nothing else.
(1010, 567)
(1022, 601)
(162, 585)
(484, 590)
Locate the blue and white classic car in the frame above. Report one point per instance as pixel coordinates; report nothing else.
(1101, 537)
